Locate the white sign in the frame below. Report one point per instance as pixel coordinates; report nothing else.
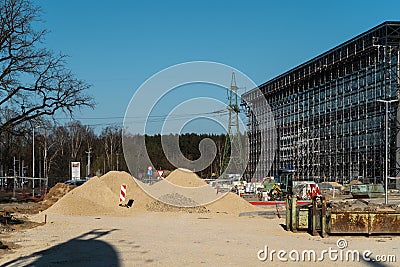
(76, 170)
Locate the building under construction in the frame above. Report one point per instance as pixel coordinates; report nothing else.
(330, 124)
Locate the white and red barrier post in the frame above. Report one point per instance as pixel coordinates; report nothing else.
(122, 193)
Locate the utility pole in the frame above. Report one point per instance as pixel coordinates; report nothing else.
(15, 178)
(33, 159)
(88, 165)
(45, 156)
(45, 171)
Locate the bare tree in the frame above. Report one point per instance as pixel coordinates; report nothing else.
(33, 81)
(55, 144)
(77, 135)
(112, 141)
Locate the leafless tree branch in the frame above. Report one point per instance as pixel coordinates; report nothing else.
(33, 81)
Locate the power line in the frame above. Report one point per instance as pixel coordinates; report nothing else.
(217, 112)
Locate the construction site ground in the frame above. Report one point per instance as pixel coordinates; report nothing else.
(158, 235)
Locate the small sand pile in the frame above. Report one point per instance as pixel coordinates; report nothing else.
(178, 200)
(230, 204)
(354, 182)
(181, 204)
(335, 184)
(57, 192)
(91, 198)
(186, 178)
(100, 196)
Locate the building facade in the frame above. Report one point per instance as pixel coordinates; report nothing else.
(329, 123)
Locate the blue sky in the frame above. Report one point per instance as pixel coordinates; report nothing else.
(118, 45)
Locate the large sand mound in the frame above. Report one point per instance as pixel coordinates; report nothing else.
(100, 196)
(186, 178)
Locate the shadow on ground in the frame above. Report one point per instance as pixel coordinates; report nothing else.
(84, 250)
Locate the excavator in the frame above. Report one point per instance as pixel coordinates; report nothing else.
(269, 189)
(277, 189)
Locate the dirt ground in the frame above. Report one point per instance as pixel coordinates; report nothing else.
(175, 239)
(85, 229)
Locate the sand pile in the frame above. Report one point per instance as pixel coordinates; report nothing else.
(185, 183)
(100, 196)
(113, 180)
(227, 204)
(354, 182)
(195, 189)
(57, 192)
(180, 202)
(186, 178)
(230, 203)
(335, 184)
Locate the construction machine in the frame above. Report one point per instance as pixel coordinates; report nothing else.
(277, 189)
(270, 190)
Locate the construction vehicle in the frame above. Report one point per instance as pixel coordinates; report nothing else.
(274, 189)
(277, 189)
(246, 190)
(270, 190)
(285, 180)
(284, 185)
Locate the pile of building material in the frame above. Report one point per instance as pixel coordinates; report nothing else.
(100, 196)
(56, 192)
(185, 178)
(361, 205)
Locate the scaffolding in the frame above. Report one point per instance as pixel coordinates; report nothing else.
(330, 125)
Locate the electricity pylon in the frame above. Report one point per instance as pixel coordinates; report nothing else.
(233, 150)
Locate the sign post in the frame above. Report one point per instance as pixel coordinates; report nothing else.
(75, 170)
(160, 173)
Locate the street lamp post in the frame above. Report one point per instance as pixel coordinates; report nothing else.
(33, 152)
(385, 173)
(33, 161)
